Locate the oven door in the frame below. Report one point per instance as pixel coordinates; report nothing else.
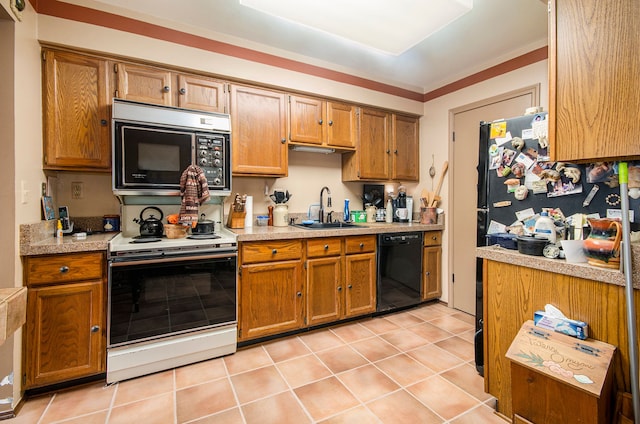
(150, 299)
(150, 158)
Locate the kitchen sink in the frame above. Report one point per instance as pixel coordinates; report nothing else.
(328, 225)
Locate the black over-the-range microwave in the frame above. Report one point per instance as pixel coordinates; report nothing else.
(153, 145)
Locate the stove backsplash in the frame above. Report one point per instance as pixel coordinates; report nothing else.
(213, 210)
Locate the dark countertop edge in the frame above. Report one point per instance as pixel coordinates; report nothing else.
(560, 266)
(257, 233)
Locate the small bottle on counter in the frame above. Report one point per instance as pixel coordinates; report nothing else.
(545, 227)
(389, 213)
(346, 216)
(270, 219)
(59, 234)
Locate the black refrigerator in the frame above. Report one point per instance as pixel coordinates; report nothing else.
(516, 149)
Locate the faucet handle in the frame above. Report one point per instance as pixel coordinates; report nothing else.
(330, 216)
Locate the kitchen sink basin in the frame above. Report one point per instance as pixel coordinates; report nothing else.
(328, 225)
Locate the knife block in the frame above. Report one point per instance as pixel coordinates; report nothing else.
(235, 219)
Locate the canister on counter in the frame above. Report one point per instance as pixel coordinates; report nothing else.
(111, 223)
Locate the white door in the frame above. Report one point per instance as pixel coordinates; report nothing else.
(465, 123)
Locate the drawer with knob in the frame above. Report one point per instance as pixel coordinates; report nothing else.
(325, 246)
(360, 244)
(432, 238)
(62, 268)
(269, 251)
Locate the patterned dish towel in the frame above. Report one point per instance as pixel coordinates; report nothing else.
(194, 191)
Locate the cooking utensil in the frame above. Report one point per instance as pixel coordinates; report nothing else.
(436, 198)
(152, 226)
(203, 226)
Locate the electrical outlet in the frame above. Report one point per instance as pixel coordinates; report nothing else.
(77, 190)
(44, 189)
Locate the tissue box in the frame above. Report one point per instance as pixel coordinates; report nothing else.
(566, 326)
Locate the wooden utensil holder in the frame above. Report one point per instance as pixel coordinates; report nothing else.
(235, 219)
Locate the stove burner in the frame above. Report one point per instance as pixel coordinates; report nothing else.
(140, 239)
(203, 236)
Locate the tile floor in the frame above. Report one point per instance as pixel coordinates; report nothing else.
(413, 366)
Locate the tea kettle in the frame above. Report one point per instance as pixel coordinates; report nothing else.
(152, 226)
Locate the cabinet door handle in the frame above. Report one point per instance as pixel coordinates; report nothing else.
(95, 328)
(166, 89)
(434, 238)
(350, 286)
(427, 273)
(274, 251)
(283, 140)
(299, 294)
(339, 288)
(388, 151)
(103, 122)
(326, 247)
(395, 151)
(320, 121)
(361, 245)
(64, 269)
(183, 91)
(330, 123)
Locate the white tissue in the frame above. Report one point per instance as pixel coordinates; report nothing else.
(248, 208)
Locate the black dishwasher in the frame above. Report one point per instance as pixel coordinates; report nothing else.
(399, 270)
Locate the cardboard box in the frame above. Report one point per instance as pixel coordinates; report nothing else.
(566, 326)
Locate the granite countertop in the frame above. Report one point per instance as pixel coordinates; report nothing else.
(38, 239)
(561, 266)
(261, 233)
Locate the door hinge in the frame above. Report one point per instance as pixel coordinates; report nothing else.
(115, 68)
(453, 278)
(239, 332)
(305, 320)
(453, 136)
(24, 379)
(44, 56)
(304, 265)
(240, 271)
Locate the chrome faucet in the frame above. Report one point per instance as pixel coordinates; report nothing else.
(321, 211)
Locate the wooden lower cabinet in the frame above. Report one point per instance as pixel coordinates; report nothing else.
(360, 282)
(432, 265)
(65, 336)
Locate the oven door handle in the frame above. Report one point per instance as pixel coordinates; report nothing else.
(163, 259)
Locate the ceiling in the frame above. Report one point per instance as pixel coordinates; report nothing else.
(492, 33)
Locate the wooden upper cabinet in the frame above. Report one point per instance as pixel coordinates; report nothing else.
(370, 161)
(593, 80)
(322, 123)
(258, 128)
(143, 84)
(405, 159)
(76, 112)
(201, 93)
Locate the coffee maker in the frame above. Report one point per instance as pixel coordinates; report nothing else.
(400, 211)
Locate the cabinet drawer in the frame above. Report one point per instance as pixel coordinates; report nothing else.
(269, 251)
(329, 246)
(53, 269)
(360, 244)
(433, 238)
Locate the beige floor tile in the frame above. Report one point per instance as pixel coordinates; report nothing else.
(190, 375)
(230, 416)
(155, 410)
(402, 408)
(404, 319)
(430, 332)
(379, 325)
(443, 397)
(95, 418)
(304, 370)
(321, 340)
(341, 359)
(359, 415)
(404, 339)
(283, 408)
(467, 378)
(404, 369)
(431, 311)
(367, 383)
(247, 359)
(32, 410)
(204, 399)
(285, 349)
(375, 349)
(352, 332)
(480, 415)
(452, 324)
(468, 335)
(458, 347)
(325, 398)
(82, 400)
(256, 384)
(435, 358)
(463, 316)
(144, 387)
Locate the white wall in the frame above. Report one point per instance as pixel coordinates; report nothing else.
(435, 134)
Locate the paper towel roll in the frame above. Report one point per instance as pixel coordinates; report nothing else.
(248, 208)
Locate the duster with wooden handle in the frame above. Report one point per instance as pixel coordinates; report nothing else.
(436, 198)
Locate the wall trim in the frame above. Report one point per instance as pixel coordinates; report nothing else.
(87, 15)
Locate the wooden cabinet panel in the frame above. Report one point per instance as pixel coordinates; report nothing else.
(52, 269)
(144, 84)
(593, 79)
(201, 93)
(360, 284)
(322, 247)
(65, 335)
(432, 238)
(324, 287)
(259, 124)
(269, 251)
(405, 158)
(432, 273)
(360, 244)
(307, 120)
(342, 125)
(76, 112)
(271, 299)
(373, 150)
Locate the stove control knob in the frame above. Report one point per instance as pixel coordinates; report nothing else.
(217, 181)
(203, 161)
(217, 163)
(217, 154)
